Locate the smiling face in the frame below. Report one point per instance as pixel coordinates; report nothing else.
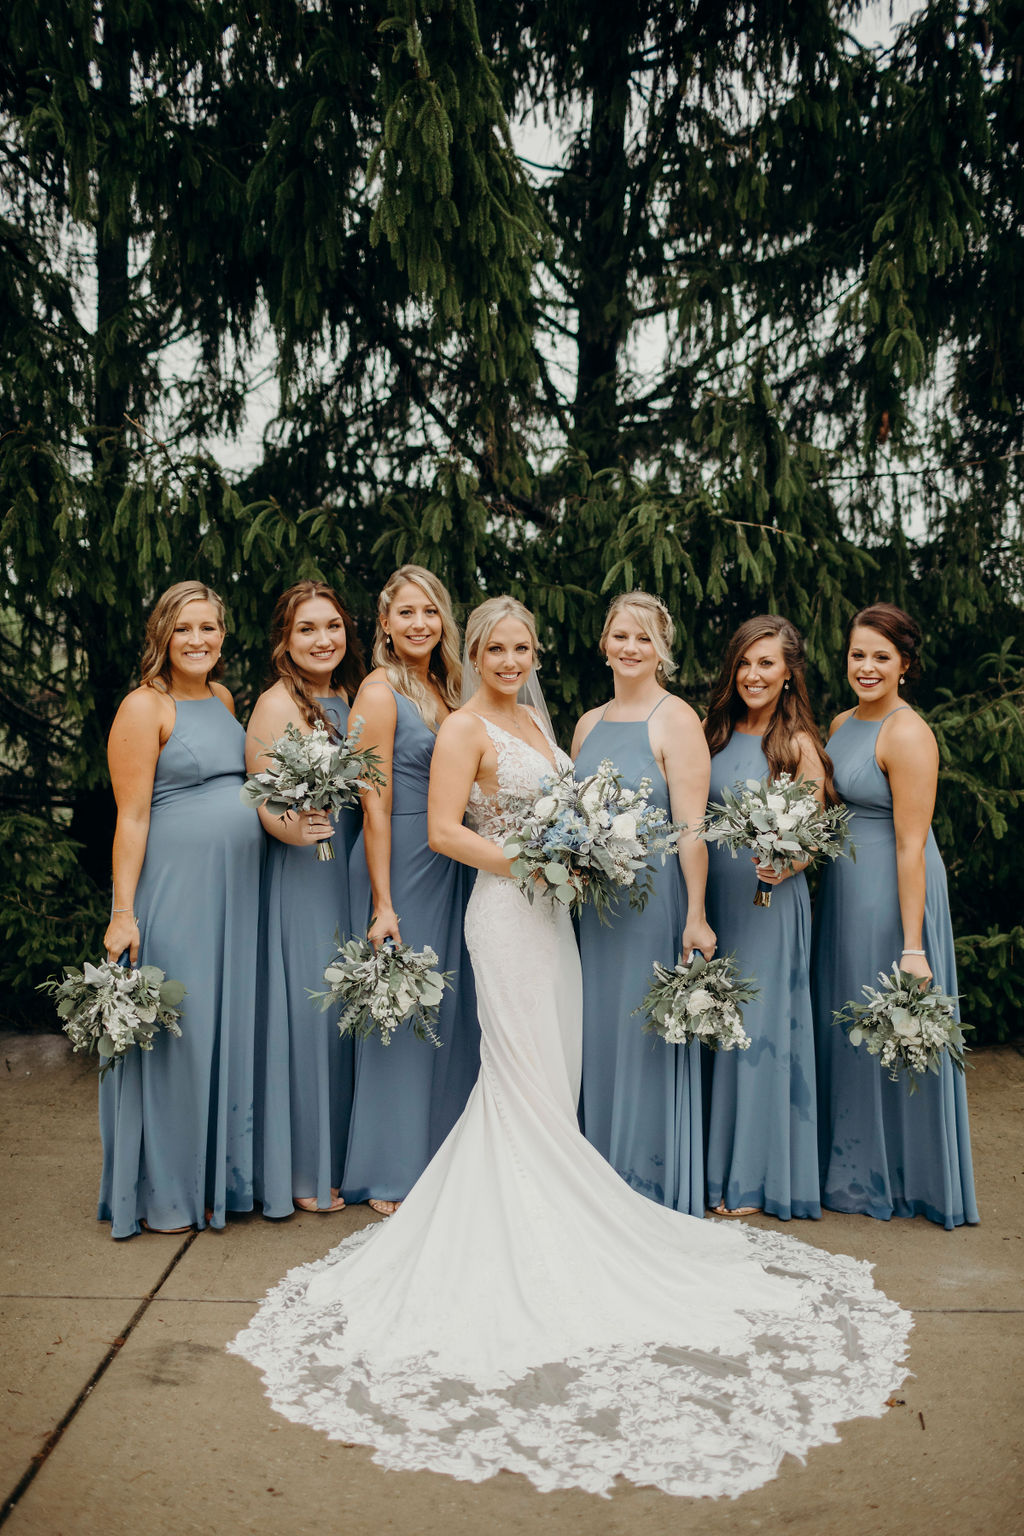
(761, 674)
(874, 666)
(505, 660)
(414, 623)
(317, 641)
(195, 644)
(630, 648)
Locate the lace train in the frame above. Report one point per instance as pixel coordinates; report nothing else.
(687, 1421)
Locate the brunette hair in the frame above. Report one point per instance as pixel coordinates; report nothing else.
(488, 614)
(658, 621)
(155, 666)
(793, 714)
(445, 665)
(349, 672)
(898, 628)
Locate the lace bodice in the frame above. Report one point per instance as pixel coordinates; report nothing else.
(521, 769)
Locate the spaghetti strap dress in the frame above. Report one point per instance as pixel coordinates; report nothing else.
(177, 1122)
(304, 1068)
(641, 1099)
(408, 1094)
(762, 1135)
(883, 1151)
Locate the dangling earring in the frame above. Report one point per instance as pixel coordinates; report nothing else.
(389, 644)
(903, 679)
(785, 686)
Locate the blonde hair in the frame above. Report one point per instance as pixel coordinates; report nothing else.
(657, 622)
(155, 666)
(445, 665)
(488, 615)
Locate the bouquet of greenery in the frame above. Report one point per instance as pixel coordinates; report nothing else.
(908, 1025)
(699, 1000)
(584, 840)
(380, 989)
(782, 824)
(108, 1008)
(314, 772)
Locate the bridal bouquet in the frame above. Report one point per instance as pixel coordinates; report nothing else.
(909, 1026)
(108, 1008)
(699, 1000)
(379, 989)
(582, 840)
(781, 822)
(314, 773)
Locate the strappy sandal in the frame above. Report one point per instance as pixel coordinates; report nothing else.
(384, 1207)
(308, 1203)
(741, 1210)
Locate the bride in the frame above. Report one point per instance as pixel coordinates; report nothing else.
(524, 1309)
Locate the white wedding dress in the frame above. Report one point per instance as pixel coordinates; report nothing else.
(524, 1309)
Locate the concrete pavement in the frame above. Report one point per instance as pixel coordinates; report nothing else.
(121, 1411)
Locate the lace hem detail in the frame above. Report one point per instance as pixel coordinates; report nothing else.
(688, 1421)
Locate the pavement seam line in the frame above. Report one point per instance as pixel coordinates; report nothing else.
(41, 1456)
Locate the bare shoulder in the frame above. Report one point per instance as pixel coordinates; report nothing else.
(144, 709)
(807, 745)
(905, 730)
(272, 711)
(675, 715)
(220, 692)
(374, 701)
(462, 727)
(839, 720)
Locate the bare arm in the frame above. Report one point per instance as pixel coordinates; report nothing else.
(141, 726)
(274, 710)
(462, 746)
(679, 743)
(906, 750)
(375, 704)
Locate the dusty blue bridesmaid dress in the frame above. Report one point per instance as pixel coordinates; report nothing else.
(177, 1122)
(641, 1098)
(762, 1136)
(408, 1095)
(883, 1151)
(304, 1069)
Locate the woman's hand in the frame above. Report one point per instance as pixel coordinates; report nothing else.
(698, 934)
(916, 965)
(771, 876)
(312, 826)
(384, 926)
(122, 934)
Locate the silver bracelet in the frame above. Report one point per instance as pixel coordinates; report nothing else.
(117, 911)
(912, 952)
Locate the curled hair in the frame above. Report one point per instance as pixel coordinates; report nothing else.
(488, 615)
(792, 715)
(657, 621)
(898, 628)
(347, 675)
(155, 666)
(445, 665)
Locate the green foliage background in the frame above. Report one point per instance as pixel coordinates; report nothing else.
(752, 338)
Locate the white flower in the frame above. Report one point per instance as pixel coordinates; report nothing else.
(624, 826)
(775, 802)
(905, 1025)
(786, 821)
(546, 807)
(592, 796)
(699, 1001)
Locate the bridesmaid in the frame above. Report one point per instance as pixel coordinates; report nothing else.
(409, 1095)
(304, 1070)
(762, 1141)
(641, 1099)
(883, 1151)
(176, 1122)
